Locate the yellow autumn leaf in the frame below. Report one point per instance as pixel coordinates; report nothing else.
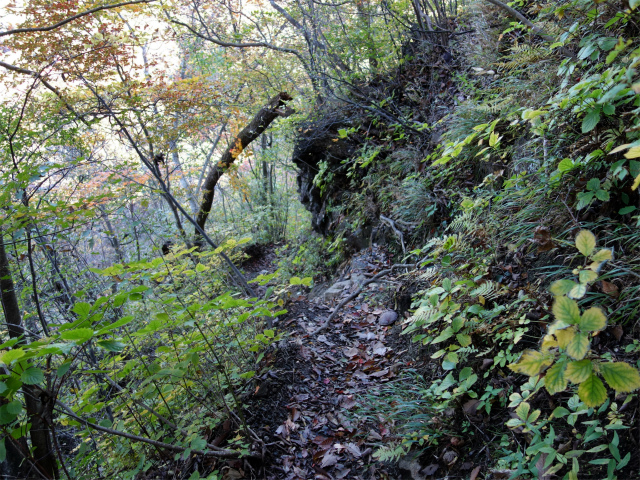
(620, 376)
(634, 152)
(578, 346)
(602, 255)
(565, 336)
(532, 363)
(579, 371)
(585, 242)
(592, 320)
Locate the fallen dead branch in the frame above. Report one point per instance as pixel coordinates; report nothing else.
(395, 229)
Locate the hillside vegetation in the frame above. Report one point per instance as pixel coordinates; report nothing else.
(181, 181)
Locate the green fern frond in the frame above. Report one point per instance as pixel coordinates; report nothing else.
(488, 290)
(464, 222)
(390, 453)
(524, 56)
(423, 315)
(428, 274)
(494, 108)
(467, 350)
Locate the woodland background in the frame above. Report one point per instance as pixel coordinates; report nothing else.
(154, 151)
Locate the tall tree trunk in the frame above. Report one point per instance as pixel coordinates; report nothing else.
(267, 114)
(188, 191)
(39, 404)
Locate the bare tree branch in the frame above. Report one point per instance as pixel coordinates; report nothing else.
(217, 452)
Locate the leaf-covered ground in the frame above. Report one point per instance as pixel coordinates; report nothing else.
(309, 389)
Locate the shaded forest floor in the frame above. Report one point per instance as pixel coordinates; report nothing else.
(303, 407)
(321, 403)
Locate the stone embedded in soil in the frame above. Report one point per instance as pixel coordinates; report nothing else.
(387, 318)
(336, 290)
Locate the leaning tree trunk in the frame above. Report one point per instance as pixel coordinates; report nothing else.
(39, 404)
(267, 114)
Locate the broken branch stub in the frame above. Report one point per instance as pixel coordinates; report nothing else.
(276, 107)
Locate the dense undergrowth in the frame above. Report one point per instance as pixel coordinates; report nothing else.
(534, 166)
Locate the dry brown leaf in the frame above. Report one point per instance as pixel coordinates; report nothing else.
(430, 469)
(329, 460)
(351, 352)
(354, 450)
(474, 473)
(361, 375)
(232, 474)
(610, 289)
(542, 236)
(347, 402)
(379, 349)
(617, 332)
(471, 406)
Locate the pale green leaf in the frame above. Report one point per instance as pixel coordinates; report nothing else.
(112, 345)
(578, 346)
(626, 210)
(602, 255)
(200, 268)
(578, 291)
(620, 376)
(593, 320)
(578, 372)
(561, 287)
(554, 380)
(636, 183)
(532, 363)
(566, 165)
(82, 309)
(457, 323)
(590, 120)
(78, 335)
(11, 355)
(32, 376)
(444, 335)
(592, 391)
(587, 276)
(566, 310)
(14, 408)
(119, 323)
(585, 242)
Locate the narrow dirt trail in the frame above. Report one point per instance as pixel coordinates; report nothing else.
(307, 405)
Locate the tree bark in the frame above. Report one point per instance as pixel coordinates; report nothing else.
(267, 114)
(36, 400)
